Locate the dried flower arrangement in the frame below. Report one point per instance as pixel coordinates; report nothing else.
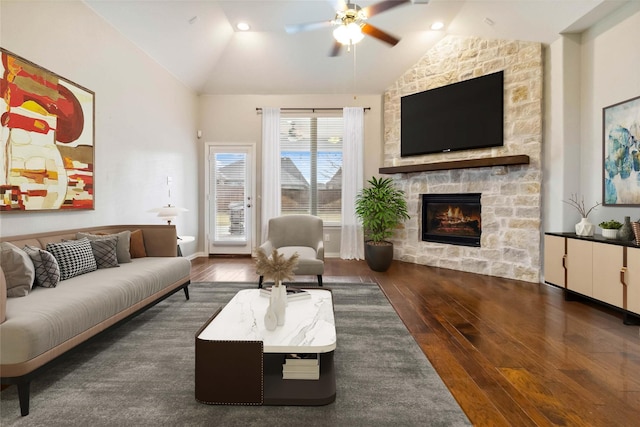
(579, 205)
(276, 267)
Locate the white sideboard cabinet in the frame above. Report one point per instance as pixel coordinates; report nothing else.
(607, 271)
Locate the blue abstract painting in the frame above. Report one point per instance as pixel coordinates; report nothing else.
(621, 137)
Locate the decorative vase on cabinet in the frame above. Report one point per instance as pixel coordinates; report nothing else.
(626, 231)
(585, 228)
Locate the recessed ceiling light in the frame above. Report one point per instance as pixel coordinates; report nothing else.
(437, 26)
(243, 26)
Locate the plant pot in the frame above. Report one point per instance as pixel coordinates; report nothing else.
(378, 255)
(610, 233)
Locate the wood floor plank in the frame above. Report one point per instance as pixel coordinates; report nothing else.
(511, 353)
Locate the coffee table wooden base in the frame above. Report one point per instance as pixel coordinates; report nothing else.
(229, 373)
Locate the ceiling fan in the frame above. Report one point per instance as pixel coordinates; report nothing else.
(350, 24)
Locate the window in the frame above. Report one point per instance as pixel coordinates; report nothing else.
(311, 167)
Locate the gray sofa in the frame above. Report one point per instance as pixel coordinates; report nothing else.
(47, 322)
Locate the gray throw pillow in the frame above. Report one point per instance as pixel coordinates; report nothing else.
(104, 251)
(74, 257)
(122, 248)
(47, 270)
(18, 269)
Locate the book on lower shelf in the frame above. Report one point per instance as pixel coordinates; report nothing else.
(292, 293)
(301, 359)
(301, 375)
(301, 367)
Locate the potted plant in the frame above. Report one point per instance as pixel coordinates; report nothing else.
(381, 207)
(610, 229)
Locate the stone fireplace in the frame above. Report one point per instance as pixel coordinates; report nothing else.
(509, 240)
(454, 219)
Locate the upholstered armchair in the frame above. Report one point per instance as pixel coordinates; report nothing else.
(297, 233)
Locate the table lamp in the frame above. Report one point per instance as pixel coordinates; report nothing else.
(169, 212)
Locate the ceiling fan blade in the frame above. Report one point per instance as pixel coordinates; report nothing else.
(309, 26)
(335, 49)
(377, 8)
(379, 34)
(338, 4)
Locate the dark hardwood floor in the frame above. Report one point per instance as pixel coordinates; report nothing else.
(512, 353)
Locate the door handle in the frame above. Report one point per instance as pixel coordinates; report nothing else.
(623, 270)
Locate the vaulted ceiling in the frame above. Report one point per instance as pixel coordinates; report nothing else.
(197, 41)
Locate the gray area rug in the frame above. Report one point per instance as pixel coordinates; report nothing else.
(142, 373)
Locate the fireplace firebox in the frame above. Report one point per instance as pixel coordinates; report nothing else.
(452, 218)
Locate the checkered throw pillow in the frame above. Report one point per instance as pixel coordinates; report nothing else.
(47, 270)
(104, 251)
(74, 257)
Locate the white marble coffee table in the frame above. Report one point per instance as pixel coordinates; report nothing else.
(309, 326)
(238, 361)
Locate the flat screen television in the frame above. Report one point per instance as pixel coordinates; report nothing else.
(460, 116)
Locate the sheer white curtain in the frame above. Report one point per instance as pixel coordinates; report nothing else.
(352, 239)
(270, 167)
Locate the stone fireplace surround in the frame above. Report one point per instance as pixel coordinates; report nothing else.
(511, 194)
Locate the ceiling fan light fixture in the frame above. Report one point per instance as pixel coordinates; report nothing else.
(348, 34)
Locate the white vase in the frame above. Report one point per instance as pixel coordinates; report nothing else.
(278, 300)
(270, 319)
(610, 233)
(584, 228)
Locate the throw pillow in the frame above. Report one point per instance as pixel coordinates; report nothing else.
(74, 257)
(122, 248)
(104, 251)
(137, 248)
(47, 269)
(3, 297)
(19, 271)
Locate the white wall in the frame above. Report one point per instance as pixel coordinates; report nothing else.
(561, 148)
(145, 120)
(584, 75)
(233, 118)
(611, 74)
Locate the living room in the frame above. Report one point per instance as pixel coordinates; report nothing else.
(147, 122)
(135, 155)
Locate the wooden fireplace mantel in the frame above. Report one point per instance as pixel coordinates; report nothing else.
(521, 159)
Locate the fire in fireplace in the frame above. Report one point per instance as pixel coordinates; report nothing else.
(452, 218)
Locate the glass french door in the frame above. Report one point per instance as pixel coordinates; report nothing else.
(230, 198)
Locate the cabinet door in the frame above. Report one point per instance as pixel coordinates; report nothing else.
(633, 279)
(579, 266)
(554, 251)
(607, 263)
